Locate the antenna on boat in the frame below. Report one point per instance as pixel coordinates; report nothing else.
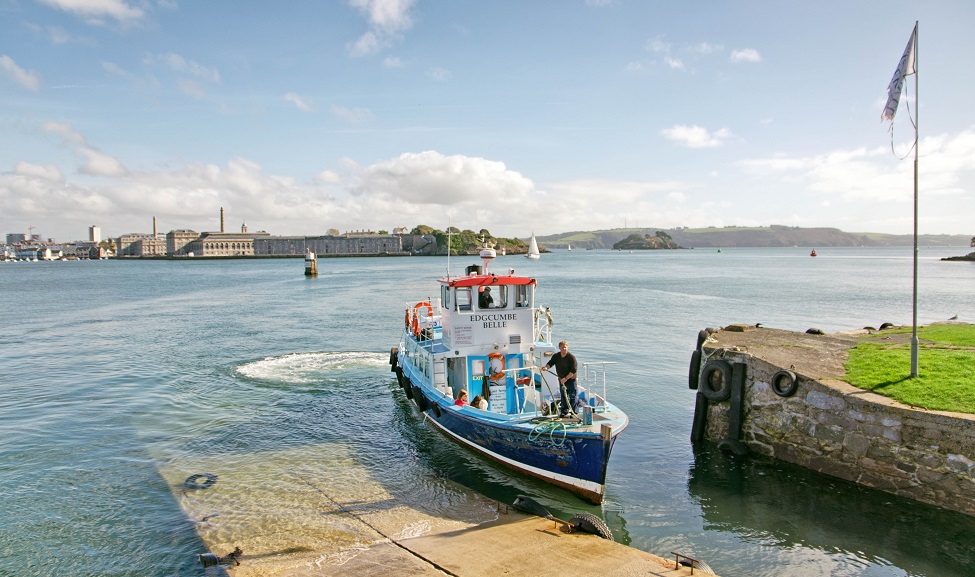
(487, 252)
(448, 248)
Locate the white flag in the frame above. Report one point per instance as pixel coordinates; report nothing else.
(904, 68)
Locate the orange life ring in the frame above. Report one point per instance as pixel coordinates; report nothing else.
(499, 375)
(423, 304)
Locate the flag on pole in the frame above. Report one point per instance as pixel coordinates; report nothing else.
(904, 68)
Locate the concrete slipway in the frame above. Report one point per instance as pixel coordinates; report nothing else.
(307, 522)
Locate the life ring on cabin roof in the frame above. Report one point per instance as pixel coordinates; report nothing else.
(422, 304)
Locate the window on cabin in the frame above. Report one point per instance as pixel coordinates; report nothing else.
(464, 302)
(445, 297)
(521, 296)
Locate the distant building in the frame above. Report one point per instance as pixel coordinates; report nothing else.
(16, 238)
(178, 242)
(94, 234)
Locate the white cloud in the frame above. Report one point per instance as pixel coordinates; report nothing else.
(387, 19)
(673, 63)
(28, 80)
(49, 173)
(746, 55)
(299, 102)
(696, 136)
(181, 65)
(439, 74)
(97, 11)
(393, 62)
(352, 115)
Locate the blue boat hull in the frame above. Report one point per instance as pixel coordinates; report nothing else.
(572, 459)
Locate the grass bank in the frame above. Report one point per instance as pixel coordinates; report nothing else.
(946, 367)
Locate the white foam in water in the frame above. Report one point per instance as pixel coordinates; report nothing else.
(307, 368)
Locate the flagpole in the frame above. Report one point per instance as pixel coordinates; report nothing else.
(917, 114)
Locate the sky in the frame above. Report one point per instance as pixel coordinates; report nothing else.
(546, 116)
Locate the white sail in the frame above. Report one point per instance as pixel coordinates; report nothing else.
(533, 248)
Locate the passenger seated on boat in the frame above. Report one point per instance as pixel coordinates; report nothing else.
(484, 299)
(461, 398)
(479, 403)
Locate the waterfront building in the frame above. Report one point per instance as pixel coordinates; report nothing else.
(178, 242)
(94, 234)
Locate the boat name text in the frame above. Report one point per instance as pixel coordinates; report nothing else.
(494, 321)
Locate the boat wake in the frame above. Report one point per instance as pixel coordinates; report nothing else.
(311, 368)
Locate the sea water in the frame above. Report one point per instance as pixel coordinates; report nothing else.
(120, 379)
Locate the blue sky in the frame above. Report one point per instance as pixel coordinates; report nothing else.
(544, 116)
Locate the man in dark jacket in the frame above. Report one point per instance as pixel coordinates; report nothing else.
(565, 367)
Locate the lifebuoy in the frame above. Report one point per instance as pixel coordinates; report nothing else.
(694, 371)
(193, 481)
(423, 304)
(496, 367)
(784, 383)
(715, 381)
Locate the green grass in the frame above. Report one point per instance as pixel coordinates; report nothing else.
(946, 368)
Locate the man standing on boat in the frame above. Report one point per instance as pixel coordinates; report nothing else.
(565, 367)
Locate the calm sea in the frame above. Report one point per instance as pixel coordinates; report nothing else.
(120, 379)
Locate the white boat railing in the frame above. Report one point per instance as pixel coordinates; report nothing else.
(543, 323)
(592, 373)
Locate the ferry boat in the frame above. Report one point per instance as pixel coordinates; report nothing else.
(496, 348)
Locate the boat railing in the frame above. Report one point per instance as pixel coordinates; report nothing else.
(594, 375)
(542, 317)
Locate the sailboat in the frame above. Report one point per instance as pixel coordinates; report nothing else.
(533, 248)
(569, 246)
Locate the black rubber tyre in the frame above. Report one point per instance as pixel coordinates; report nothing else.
(702, 335)
(392, 359)
(419, 399)
(694, 371)
(716, 380)
(734, 447)
(531, 506)
(435, 407)
(407, 387)
(591, 524)
(784, 383)
(193, 481)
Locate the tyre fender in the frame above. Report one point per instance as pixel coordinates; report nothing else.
(784, 383)
(591, 524)
(694, 371)
(715, 381)
(419, 399)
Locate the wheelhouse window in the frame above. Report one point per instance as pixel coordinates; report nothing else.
(492, 297)
(522, 296)
(464, 302)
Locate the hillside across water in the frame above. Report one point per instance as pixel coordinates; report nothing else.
(733, 236)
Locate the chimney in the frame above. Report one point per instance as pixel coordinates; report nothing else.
(153, 227)
(221, 219)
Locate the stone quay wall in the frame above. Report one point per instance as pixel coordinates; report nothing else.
(840, 430)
